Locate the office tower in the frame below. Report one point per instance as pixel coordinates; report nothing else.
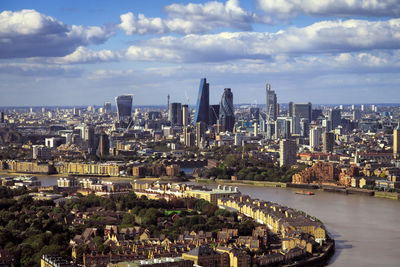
(254, 114)
(396, 141)
(304, 127)
(283, 127)
(362, 107)
(214, 114)
(88, 136)
(328, 140)
(203, 103)
(300, 110)
(226, 110)
(200, 132)
(270, 129)
(103, 148)
(175, 113)
(168, 103)
(316, 113)
(315, 138)
(107, 107)
(335, 117)
(185, 115)
(189, 137)
(272, 104)
(124, 107)
(2, 117)
(287, 152)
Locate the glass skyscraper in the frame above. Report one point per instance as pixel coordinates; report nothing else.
(203, 103)
(226, 111)
(271, 105)
(124, 106)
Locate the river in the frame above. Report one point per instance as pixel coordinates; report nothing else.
(366, 229)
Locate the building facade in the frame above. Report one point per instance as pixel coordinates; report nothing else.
(203, 103)
(124, 107)
(226, 110)
(287, 152)
(272, 104)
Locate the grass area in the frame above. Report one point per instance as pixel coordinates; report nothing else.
(169, 212)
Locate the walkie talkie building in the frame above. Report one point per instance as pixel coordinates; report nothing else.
(124, 106)
(203, 103)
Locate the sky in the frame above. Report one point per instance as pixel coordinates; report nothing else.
(68, 52)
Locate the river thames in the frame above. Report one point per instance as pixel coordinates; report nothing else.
(366, 229)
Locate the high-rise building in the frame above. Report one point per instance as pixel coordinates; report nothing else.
(272, 104)
(254, 114)
(203, 103)
(124, 107)
(200, 133)
(104, 145)
(107, 107)
(1, 117)
(396, 141)
(328, 140)
(185, 115)
(315, 138)
(287, 152)
(316, 113)
(214, 114)
(301, 110)
(175, 113)
(283, 127)
(189, 137)
(335, 117)
(226, 110)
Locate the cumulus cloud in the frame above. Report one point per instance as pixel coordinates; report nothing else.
(28, 33)
(371, 8)
(84, 55)
(322, 37)
(193, 18)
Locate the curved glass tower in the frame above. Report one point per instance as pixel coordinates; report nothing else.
(226, 110)
(203, 103)
(124, 106)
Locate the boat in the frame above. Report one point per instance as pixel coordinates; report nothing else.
(309, 193)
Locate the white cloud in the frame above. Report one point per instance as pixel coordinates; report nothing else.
(333, 37)
(371, 8)
(28, 33)
(193, 18)
(83, 55)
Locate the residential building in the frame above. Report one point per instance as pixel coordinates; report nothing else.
(287, 152)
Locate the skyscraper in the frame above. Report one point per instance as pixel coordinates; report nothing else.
(226, 110)
(335, 117)
(287, 152)
(124, 107)
(103, 148)
(107, 107)
(185, 115)
(272, 104)
(203, 103)
(396, 141)
(175, 113)
(301, 110)
(315, 138)
(328, 140)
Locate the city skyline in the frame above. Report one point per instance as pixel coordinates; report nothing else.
(69, 53)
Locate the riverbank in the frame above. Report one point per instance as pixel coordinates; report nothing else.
(241, 182)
